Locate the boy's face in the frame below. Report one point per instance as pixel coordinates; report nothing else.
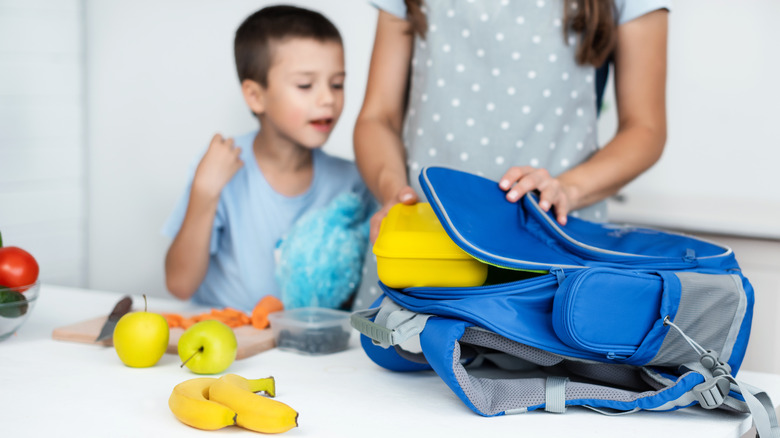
(305, 94)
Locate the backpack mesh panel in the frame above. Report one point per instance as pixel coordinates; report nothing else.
(497, 342)
(624, 376)
(493, 396)
(705, 298)
(654, 379)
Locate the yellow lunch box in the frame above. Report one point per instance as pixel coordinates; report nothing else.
(413, 250)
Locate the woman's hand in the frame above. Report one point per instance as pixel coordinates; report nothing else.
(405, 196)
(517, 181)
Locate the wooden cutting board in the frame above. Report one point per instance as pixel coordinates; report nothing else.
(250, 340)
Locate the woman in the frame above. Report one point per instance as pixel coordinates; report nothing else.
(506, 89)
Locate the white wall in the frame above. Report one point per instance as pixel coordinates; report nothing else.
(719, 172)
(42, 185)
(161, 83)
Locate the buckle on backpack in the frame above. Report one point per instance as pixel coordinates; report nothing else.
(712, 392)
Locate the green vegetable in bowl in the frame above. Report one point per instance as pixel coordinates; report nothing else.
(12, 296)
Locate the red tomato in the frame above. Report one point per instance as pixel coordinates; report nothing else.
(17, 267)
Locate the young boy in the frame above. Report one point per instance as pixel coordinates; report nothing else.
(247, 192)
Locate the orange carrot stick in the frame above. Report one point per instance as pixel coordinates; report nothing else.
(173, 319)
(268, 304)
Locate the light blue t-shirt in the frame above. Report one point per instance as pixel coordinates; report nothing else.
(251, 218)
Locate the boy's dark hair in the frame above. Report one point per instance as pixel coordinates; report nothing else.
(255, 38)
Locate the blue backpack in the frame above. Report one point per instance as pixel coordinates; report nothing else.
(622, 319)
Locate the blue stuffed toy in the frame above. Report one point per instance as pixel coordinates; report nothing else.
(319, 261)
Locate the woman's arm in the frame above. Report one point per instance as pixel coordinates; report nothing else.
(379, 150)
(640, 89)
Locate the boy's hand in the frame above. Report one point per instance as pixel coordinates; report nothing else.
(217, 167)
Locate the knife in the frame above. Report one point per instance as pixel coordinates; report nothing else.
(122, 307)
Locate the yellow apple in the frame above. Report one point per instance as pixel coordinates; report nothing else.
(208, 347)
(141, 338)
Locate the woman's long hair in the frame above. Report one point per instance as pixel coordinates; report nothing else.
(592, 19)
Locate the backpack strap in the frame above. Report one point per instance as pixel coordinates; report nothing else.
(392, 324)
(719, 383)
(761, 408)
(725, 390)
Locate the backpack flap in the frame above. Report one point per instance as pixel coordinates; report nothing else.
(477, 216)
(480, 221)
(624, 246)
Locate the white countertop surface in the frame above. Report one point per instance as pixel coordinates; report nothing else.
(55, 388)
(735, 217)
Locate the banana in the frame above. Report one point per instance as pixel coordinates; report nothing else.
(266, 384)
(189, 402)
(254, 411)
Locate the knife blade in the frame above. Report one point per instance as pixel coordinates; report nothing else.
(122, 307)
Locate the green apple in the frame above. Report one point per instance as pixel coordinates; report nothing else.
(208, 347)
(141, 338)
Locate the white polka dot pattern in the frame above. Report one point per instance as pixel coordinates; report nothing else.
(492, 87)
(495, 85)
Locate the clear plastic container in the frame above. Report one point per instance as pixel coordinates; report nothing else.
(311, 330)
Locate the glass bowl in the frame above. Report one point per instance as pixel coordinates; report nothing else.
(16, 304)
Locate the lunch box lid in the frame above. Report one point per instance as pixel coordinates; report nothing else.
(414, 232)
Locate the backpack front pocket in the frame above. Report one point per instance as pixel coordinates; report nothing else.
(607, 311)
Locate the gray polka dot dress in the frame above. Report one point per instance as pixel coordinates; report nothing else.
(495, 84)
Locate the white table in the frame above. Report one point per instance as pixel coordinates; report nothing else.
(55, 388)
